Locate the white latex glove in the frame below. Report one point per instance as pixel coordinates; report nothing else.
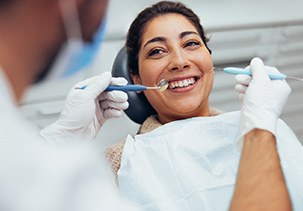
(87, 109)
(262, 99)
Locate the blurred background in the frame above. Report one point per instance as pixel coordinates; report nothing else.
(238, 29)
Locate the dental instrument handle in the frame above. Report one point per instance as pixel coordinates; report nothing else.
(126, 88)
(237, 70)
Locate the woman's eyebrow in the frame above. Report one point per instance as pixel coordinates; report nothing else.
(163, 39)
(183, 34)
(155, 39)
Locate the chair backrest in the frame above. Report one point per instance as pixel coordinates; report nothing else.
(139, 108)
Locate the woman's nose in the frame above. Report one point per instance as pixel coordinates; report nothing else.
(178, 61)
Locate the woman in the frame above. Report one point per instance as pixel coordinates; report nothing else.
(184, 157)
(173, 104)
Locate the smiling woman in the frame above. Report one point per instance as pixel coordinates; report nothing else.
(167, 41)
(184, 157)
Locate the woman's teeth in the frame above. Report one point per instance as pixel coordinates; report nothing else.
(182, 83)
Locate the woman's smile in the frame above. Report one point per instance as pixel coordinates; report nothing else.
(183, 84)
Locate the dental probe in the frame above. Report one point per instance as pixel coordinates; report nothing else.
(162, 85)
(272, 76)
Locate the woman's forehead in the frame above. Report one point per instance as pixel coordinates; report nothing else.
(167, 25)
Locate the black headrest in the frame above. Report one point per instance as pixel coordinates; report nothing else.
(139, 108)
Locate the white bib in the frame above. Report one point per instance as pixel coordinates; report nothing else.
(183, 165)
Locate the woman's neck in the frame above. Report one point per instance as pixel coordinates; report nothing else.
(163, 119)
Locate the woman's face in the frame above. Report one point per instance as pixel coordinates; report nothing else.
(172, 49)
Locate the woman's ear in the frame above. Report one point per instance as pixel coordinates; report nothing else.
(136, 78)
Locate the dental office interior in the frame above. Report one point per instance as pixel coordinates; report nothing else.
(238, 29)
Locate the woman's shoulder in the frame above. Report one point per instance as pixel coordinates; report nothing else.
(149, 124)
(113, 155)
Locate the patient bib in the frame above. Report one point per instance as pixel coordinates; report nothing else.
(183, 165)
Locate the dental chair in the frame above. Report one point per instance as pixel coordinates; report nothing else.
(139, 108)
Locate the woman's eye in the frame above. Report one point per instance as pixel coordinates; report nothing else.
(155, 52)
(192, 44)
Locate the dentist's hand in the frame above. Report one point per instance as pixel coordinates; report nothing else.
(87, 109)
(262, 99)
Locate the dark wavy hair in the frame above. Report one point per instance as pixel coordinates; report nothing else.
(133, 41)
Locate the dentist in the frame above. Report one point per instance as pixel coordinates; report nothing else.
(40, 40)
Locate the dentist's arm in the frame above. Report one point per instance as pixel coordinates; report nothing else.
(86, 110)
(260, 183)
